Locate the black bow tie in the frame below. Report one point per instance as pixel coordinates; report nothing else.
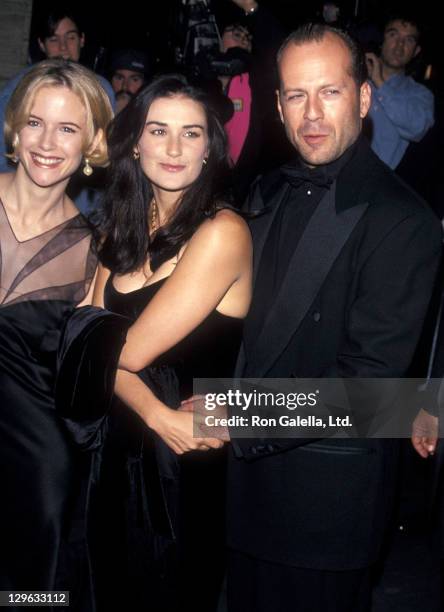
(297, 175)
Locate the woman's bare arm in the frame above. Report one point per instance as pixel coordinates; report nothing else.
(216, 257)
(175, 427)
(212, 264)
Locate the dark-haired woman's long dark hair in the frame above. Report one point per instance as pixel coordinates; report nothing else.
(127, 244)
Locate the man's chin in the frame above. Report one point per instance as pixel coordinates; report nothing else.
(397, 64)
(316, 158)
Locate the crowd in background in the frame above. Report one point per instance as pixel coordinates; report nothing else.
(229, 48)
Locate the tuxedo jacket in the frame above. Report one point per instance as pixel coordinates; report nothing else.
(352, 304)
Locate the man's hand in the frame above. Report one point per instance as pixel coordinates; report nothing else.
(374, 67)
(196, 404)
(425, 433)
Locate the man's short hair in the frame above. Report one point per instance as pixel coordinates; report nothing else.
(404, 18)
(315, 32)
(48, 21)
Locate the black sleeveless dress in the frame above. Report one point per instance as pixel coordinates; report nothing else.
(41, 280)
(154, 520)
(209, 351)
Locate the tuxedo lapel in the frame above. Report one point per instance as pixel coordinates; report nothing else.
(260, 226)
(321, 243)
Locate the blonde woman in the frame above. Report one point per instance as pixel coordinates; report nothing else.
(55, 123)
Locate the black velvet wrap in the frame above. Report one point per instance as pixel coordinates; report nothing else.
(132, 489)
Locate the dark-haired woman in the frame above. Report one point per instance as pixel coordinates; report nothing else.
(177, 263)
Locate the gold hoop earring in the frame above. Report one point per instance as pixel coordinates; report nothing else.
(87, 170)
(136, 155)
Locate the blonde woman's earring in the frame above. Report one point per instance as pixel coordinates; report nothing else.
(87, 170)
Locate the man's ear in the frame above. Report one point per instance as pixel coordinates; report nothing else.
(365, 99)
(417, 50)
(82, 40)
(279, 107)
(41, 45)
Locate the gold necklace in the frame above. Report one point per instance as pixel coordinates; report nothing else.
(154, 216)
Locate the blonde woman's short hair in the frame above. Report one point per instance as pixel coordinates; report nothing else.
(78, 79)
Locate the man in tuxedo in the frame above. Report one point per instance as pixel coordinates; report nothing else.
(345, 261)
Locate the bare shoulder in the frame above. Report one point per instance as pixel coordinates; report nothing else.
(228, 228)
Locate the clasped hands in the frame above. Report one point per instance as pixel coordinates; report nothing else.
(196, 405)
(177, 427)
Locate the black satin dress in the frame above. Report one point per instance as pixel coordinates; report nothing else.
(155, 521)
(41, 279)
